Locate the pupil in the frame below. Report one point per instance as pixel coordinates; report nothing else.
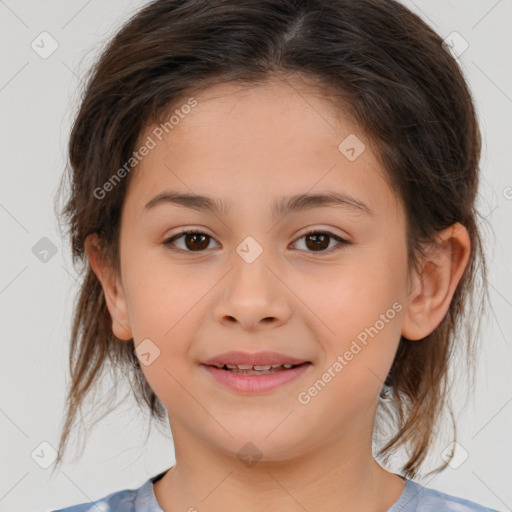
(200, 241)
(196, 236)
(324, 241)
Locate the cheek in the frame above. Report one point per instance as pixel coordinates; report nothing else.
(360, 308)
(353, 295)
(163, 322)
(159, 293)
(164, 305)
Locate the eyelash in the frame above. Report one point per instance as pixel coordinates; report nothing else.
(341, 241)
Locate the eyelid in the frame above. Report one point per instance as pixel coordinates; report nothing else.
(341, 241)
(324, 229)
(186, 231)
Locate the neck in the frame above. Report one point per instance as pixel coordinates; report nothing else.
(339, 475)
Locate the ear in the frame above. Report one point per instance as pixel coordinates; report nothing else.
(432, 288)
(112, 288)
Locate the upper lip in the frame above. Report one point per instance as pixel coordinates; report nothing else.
(253, 358)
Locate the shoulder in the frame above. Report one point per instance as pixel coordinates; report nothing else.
(120, 501)
(418, 498)
(127, 500)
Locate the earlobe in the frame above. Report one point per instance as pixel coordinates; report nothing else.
(432, 288)
(112, 288)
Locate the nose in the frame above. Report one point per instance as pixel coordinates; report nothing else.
(252, 296)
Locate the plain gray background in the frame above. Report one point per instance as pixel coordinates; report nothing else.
(38, 98)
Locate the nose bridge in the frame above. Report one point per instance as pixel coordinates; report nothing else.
(251, 275)
(252, 294)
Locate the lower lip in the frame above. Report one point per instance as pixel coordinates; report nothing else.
(256, 383)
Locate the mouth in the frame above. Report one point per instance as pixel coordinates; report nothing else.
(248, 369)
(256, 379)
(255, 372)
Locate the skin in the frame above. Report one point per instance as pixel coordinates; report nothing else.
(258, 144)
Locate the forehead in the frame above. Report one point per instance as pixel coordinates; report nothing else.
(255, 141)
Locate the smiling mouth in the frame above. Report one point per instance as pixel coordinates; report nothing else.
(247, 369)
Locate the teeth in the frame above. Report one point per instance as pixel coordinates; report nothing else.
(267, 367)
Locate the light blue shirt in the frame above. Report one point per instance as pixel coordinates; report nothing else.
(414, 498)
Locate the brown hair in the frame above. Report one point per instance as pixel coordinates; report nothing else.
(373, 58)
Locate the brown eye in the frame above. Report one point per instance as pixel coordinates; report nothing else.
(319, 241)
(193, 241)
(196, 241)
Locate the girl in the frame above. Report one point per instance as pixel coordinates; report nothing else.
(275, 200)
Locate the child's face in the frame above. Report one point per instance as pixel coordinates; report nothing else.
(250, 148)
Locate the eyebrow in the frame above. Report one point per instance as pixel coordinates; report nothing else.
(295, 203)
